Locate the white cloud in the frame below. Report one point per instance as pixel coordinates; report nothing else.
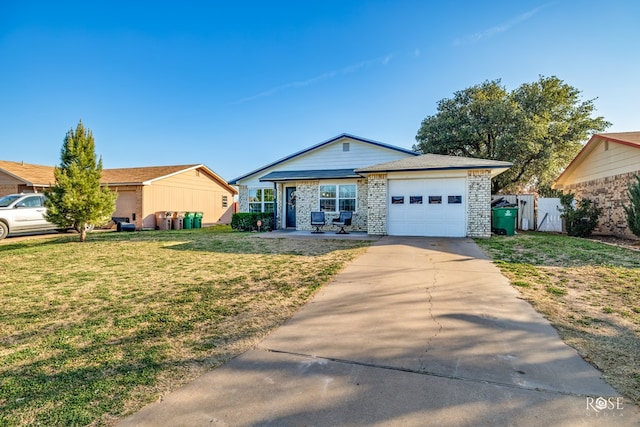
(490, 32)
(326, 76)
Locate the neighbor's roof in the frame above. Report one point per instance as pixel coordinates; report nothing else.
(625, 138)
(143, 175)
(322, 144)
(149, 174)
(279, 176)
(630, 139)
(427, 162)
(34, 175)
(38, 175)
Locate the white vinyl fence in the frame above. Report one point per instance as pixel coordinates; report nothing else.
(549, 215)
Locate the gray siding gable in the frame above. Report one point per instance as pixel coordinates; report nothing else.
(346, 137)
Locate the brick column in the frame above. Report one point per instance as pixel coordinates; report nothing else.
(479, 203)
(243, 198)
(377, 204)
(306, 202)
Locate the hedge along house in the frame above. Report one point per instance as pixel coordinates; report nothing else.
(141, 191)
(390, 190)
(601, 172)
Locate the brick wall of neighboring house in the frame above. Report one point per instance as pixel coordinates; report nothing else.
(8, 189)
(377, 204)
(610, 194)
(479, 203)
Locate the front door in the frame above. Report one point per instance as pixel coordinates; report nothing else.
(291, 207)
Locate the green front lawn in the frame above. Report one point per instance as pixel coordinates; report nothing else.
(589, 291)
(92, 331)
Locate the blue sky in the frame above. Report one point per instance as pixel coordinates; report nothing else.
(236, 85)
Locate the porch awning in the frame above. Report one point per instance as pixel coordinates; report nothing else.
(282, 176)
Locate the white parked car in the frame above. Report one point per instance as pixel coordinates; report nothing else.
(22, 213)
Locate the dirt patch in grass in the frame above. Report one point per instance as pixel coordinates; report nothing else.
(588, 290)
(92, 331)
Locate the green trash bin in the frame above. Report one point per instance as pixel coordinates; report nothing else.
(197, 219)
(187, 221)
(503, 220)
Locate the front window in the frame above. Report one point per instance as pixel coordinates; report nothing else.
(338, 198)
(261, 200)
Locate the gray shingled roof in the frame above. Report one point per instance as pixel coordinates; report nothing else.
(312, 175)
(435, 162)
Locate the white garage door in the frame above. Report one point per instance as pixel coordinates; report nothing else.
(428, 207)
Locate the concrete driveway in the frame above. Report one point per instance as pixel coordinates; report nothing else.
(415, 332)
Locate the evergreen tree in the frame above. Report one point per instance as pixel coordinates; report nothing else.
(77, 200)
(633, 210)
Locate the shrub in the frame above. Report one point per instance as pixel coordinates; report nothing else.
(580, 219)
(248, 221)
(633, 210)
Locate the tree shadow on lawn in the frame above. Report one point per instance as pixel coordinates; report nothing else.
(201, 240)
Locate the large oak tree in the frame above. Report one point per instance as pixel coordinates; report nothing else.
(539, 127)
(77, 199)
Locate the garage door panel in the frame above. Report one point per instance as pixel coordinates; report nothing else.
(427, 208)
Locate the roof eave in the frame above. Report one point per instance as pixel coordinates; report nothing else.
(423, 169)
(301, 178)
(124, 184)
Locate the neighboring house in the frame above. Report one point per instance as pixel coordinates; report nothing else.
(141, 191)
(602, 170)
(20, 177)
(390, 190)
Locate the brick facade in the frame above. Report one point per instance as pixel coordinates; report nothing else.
(371, 215)
(479, 203)
(308, 201)
(609, 194)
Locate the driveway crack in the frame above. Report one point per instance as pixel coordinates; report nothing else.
(432, 317)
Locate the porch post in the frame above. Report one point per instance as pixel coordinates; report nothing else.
(275, 206)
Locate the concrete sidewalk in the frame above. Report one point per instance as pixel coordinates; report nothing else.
(415, 332)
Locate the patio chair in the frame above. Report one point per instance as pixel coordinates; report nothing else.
(343, 221)
(317, 221)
